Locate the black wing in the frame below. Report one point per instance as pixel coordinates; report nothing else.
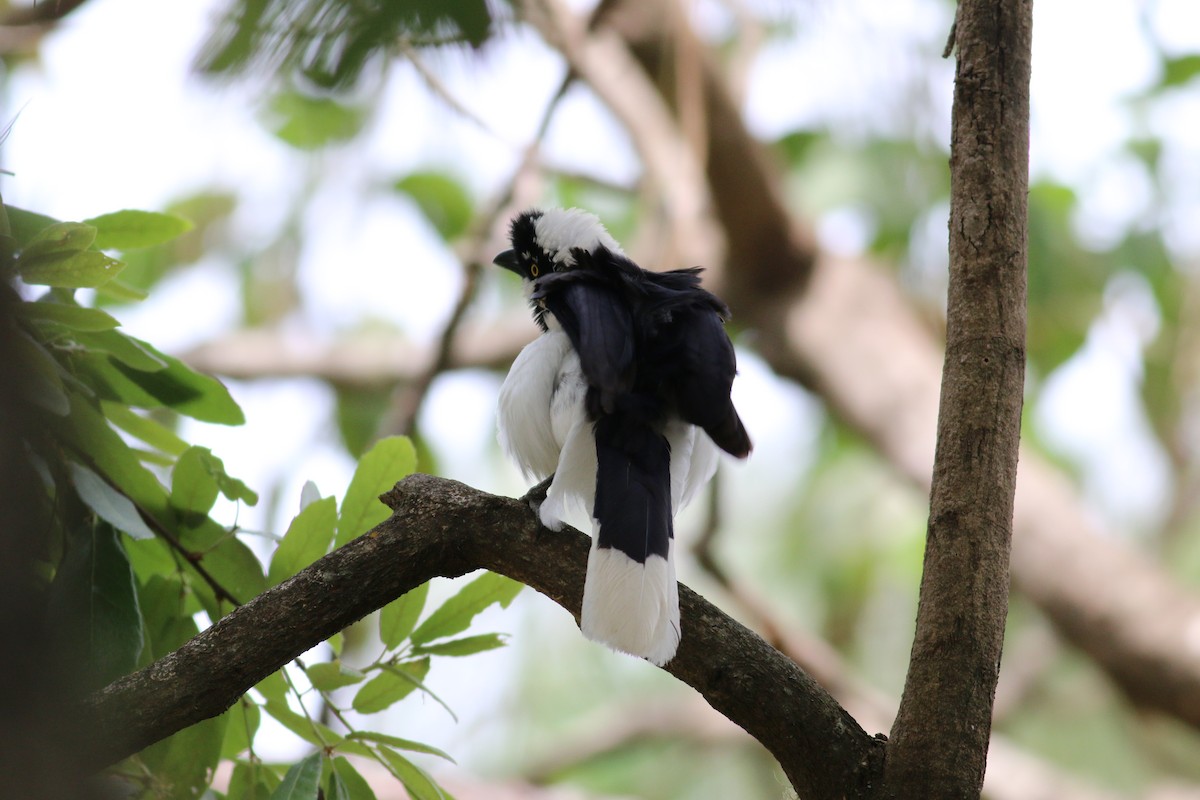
(599, 322)
(706, 378)
(687, 345)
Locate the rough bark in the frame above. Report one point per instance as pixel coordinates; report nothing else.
(443, 528)
(939, 741)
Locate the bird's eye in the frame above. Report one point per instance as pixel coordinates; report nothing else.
(533, 269)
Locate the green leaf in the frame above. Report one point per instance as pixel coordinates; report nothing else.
(403, 671)
(306, 540)
(1179, 71)
(455, 614)
(59, 238)
(147, 266)
(419, 785)
(200, 533)
(109, 504)
(797, 146)
(443, 200)
(387, 462)
(274, 688)
(231, 487)
(199, 476)
(312, 731)
(402, 744)
(309, 123)
(355, 784)
(42, 377)
(398, 618)
(301, 781)
(94, 606)
(119, 291)
(86, 432)
(358, 414)
(468, 645)
(128, 230)
(126, 349)
(1066, 281)
(251, 780)
(193, 487)
(307, 729)
(166, 608)
(69, 315)
(390, 686)
(144, 428)
(75, 269)
(243, 722)
(337, 788)
(26, 225)
(330, 675)
(172, 384)
(331, 44)
(181, 764)
(237, 569)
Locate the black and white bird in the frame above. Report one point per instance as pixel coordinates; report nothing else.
(625, 398)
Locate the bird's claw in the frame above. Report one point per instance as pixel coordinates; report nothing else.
(547, 508)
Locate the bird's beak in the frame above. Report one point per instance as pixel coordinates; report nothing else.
(508, 260)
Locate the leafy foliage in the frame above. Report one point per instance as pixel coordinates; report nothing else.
(443, 200)
(309, 123)
(332, 42)
(135, 554)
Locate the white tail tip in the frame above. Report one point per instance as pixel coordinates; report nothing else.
(631, 607)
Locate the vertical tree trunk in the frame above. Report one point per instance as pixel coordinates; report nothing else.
(938, 746)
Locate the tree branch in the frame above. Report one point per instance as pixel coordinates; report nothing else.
(40, 13)
(358, 359)
(939, 742)
(443, 528)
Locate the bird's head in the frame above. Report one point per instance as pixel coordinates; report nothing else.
(542, 240)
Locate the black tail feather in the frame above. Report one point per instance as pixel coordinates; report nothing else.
(633, 488)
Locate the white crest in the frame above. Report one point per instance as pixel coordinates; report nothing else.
(558, 230)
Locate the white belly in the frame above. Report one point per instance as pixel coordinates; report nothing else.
(540, 400)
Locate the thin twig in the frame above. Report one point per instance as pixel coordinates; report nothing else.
(191, 557)
(704, 547)
(439, 89)
(407, 405)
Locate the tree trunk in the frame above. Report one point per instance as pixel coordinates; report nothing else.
(938, 747)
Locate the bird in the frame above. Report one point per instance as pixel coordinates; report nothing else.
(625, 399)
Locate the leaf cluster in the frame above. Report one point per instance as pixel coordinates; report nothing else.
(332, 42)
(134, 558)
